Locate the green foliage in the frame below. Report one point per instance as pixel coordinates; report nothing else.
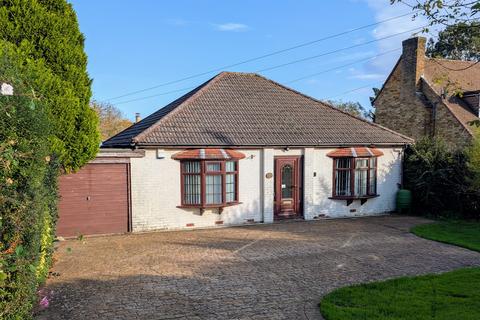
(44, 35)
(459, 41)
(354, 108)
(451, 295)
(443, 12)
(28, 190)
(440, 179)
(461, 233)
(473, 154)
(376, 91)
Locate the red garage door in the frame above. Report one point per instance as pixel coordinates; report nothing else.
(95, 200)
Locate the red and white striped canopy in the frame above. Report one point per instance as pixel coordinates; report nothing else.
(208, 154)
(355, 152)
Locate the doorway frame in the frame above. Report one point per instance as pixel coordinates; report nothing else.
(299, 182)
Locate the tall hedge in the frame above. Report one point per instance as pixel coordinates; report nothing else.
(442, 180)
(28, 189)
(47, 32)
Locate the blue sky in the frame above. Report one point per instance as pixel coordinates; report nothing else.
(137, 45)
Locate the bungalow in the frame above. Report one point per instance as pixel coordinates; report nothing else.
(238, 149)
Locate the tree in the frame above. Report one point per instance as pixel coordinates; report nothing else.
(376, 91)
(111, 119)
(45, 35)
(444, 12)
(459, 41)
(28, 189)
(371, 113)
(354, 108)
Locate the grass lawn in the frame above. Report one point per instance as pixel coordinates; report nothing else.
(451, 295)
(460, 233)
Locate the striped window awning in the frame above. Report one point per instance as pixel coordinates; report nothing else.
(355, 152)
(208, 154)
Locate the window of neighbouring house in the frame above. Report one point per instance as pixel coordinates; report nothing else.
(355, 177)
(208, 183)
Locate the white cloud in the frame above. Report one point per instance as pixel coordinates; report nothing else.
(235, 27)
(384, 10)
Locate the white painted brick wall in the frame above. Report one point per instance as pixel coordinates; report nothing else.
(308, 183)
(268, 185)
(156, 194)
(388, 176)
(156, 190)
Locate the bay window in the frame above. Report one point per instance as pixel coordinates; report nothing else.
(355, 177)
(207, 183)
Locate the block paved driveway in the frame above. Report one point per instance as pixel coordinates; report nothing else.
(277, 271)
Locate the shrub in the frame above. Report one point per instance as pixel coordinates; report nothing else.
(46, 34)
(28, 191)
(473, 154)
(440, 179)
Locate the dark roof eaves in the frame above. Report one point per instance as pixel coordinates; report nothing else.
(366, 144)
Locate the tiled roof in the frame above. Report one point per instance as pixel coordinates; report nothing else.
(243, 109)
(462, 74)
(462, 112)
(208, 154)
(455, 75)
(355, 152)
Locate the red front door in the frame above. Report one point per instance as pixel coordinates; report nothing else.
(288, 187)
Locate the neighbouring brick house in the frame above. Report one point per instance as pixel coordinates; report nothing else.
(238, 149)
(430, 97)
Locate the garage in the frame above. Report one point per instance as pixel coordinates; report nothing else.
(96, 199)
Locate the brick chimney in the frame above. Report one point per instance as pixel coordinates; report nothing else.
(137, 117)
(413, 64)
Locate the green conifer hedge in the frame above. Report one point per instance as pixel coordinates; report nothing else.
(47, 126)
(28, 190)
(46, 32)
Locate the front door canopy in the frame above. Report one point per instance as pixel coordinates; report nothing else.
(355, 152)
(208, 154)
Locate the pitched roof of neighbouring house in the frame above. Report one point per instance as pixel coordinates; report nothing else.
(462, 74)
(244, 109)
(456, 76)
(459, 76)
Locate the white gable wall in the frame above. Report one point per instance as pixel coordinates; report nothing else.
(155, 190)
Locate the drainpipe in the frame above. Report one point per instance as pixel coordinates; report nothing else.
(434, 118)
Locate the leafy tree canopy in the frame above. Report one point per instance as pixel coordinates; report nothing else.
(459, 41)
(44, 34)
(111, 119)
(444, 12)
(354, 108)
